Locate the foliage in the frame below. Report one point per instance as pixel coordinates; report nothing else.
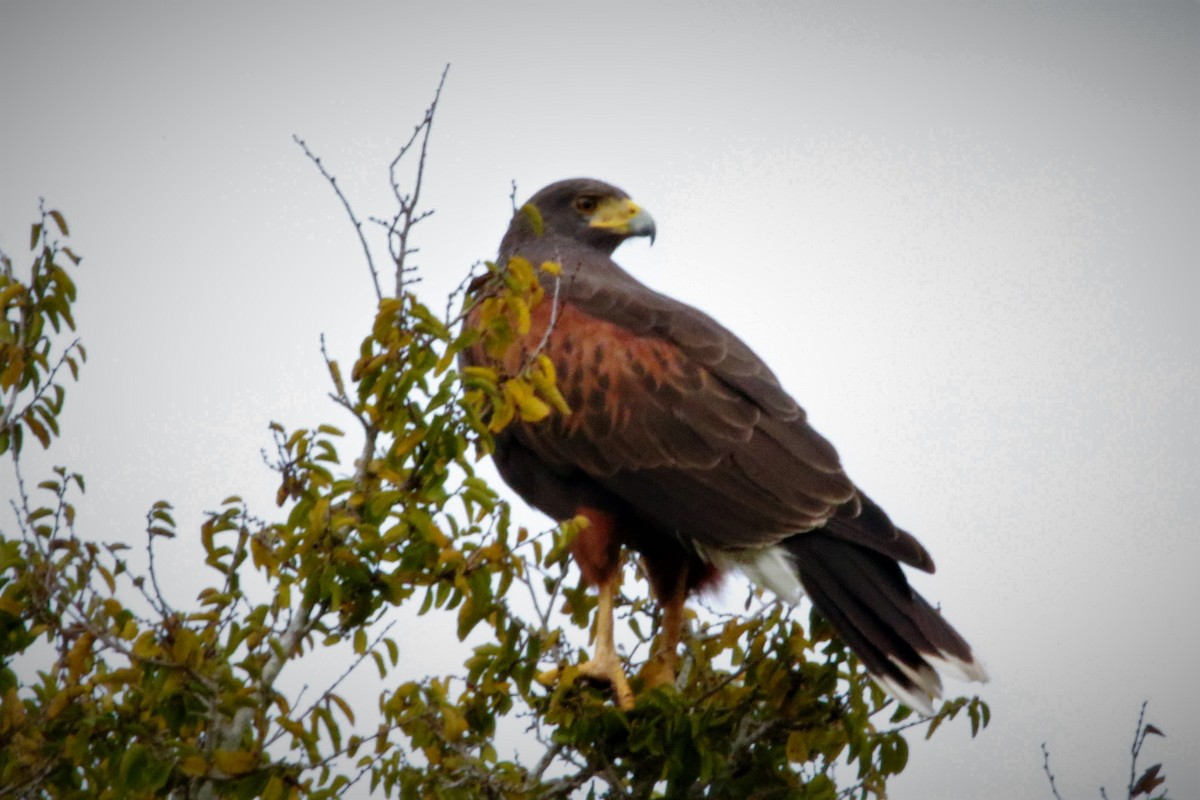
(1141, 785)
(143, 697)
(31, 396)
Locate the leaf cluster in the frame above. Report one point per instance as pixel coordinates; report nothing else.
(505, 301)
(34, 309)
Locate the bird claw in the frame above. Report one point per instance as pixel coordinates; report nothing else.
(602, 670)
(658, 671)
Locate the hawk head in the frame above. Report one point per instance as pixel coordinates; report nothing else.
(583, 210)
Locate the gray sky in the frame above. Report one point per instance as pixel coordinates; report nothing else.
(965, 238)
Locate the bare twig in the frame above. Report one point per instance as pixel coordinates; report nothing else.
(358, 226)
(1139, 736)
(1049, 774)
(339, 396)
(450, 318)
(554, 306)
(160, 604)
(401, 225)
(353, 666)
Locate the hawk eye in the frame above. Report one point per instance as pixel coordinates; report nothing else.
(586, 203)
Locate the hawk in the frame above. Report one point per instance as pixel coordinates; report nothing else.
(682, 445)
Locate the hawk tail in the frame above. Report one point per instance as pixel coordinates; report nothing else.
(901, 639)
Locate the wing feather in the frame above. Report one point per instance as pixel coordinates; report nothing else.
(673, 413)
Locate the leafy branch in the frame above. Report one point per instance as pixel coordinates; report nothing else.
(1143, 785)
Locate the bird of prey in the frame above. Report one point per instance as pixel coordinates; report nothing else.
(682, 445)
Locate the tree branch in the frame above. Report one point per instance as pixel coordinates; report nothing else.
(1049, 774)
(407, 216)
(358, 226)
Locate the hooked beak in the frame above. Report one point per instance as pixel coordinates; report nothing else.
(624, 217)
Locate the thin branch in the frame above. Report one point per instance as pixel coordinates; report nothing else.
(160, 604)
(1139, 736)
(554, 306)
(450, 319)
(353, 666)
(339, 396)
(358, 226)
(7, 417)
(1049, 774)
(407, 217)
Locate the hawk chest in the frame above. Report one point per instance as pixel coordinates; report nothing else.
(605, 371)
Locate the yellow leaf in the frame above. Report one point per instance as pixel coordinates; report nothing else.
(489, 309)
(450, 557)
(454, 724)
(797, 747)
(10, 606)
(433, 754)
(62, 223)
(534, 410)
(319, 514)
(554, 396)
(390, 307)
(235, 762)
(524, 321)
(9, 292)
(553, 267)
(401, 450)
(262, 556)
(520, 393)
(517, 389)
(501, 416)
(444, 362)
(544, 367)
(185, 645)
(521, 271)
(77, 656)
(195, 766)
(483, 373)
(10, 374)
(533, 216)
(545, 378)
(344, 706)
(274, 790)
(57, 705)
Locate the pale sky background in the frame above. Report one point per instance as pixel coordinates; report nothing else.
(965, 237)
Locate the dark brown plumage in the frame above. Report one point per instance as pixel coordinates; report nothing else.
(683, 446)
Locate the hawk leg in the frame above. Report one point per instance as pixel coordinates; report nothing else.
(605, 665)
(663, 664)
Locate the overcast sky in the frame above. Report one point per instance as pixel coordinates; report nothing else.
(964, 237)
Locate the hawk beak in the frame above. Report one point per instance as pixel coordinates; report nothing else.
(642, 224)
(623, 216)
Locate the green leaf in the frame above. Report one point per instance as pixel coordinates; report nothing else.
(133, 767)
(393, 650)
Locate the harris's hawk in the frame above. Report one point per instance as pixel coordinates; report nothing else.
(682, 445)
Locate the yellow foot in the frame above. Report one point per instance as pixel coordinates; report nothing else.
(659, 671)
(605, 670)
